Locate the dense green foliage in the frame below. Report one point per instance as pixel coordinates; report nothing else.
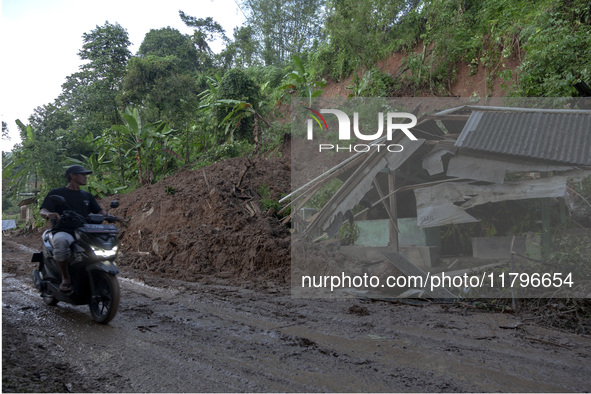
(551, 38)
(137, 118)
(558, 50)
(360, 33)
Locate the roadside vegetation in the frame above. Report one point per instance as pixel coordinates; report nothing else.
(175, 104)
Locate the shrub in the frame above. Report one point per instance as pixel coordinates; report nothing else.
(237, 85)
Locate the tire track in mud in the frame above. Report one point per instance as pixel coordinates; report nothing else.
(188, 337)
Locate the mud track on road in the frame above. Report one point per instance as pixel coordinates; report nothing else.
(174, 336)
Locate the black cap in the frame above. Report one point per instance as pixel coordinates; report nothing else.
(76, 169)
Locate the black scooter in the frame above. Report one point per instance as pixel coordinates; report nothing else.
(92, 265)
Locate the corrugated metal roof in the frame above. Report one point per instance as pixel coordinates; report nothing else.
(560, 136)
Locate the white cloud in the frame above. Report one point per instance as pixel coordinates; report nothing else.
(40, 40)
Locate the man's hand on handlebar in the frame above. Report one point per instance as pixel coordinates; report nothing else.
(111, 219)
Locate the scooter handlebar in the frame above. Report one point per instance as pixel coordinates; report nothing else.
(71, 216)
(92, 218)
(113, 219)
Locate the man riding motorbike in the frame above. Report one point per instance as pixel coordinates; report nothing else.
(81, 202)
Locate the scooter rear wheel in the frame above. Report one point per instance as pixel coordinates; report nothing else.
(104, 303)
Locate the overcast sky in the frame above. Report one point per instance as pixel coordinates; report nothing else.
(40, 40)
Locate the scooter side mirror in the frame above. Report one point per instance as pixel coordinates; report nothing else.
(114, 204)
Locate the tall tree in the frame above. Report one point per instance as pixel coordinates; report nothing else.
(90, 94)
(161, 80)
(170, 42)
(50, 118)
(161, 85)
(54, 123)
(284, 27)
(206, 30)
(242, 52)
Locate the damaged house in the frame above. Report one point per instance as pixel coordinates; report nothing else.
(467, 159)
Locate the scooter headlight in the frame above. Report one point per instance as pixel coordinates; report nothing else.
(104, 254)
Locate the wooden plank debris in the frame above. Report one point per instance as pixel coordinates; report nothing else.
(409, 269)
(360, 182)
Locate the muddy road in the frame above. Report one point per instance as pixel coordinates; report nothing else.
(173, 336)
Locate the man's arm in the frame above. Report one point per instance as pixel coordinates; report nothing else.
(49, 215)
(47, 209)
(95, 207)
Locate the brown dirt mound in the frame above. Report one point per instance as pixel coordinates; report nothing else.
(209, 222)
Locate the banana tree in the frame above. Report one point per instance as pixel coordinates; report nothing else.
(207, 97)
(140, 140)
(100, 184)
(302, 82)
(240, 110)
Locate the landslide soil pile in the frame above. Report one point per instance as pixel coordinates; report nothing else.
(210, 223)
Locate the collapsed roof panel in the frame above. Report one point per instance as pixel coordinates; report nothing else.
(490, 168)
(446, 203)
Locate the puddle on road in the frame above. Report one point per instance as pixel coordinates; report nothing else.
(410, 354)
(145, 288)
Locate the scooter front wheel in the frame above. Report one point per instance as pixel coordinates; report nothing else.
(104, 301)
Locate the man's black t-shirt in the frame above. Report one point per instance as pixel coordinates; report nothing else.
(78, 201)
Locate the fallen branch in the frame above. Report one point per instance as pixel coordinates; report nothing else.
(243, 173)
(205, 177)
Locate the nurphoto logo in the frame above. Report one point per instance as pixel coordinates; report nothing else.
(393, 124)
